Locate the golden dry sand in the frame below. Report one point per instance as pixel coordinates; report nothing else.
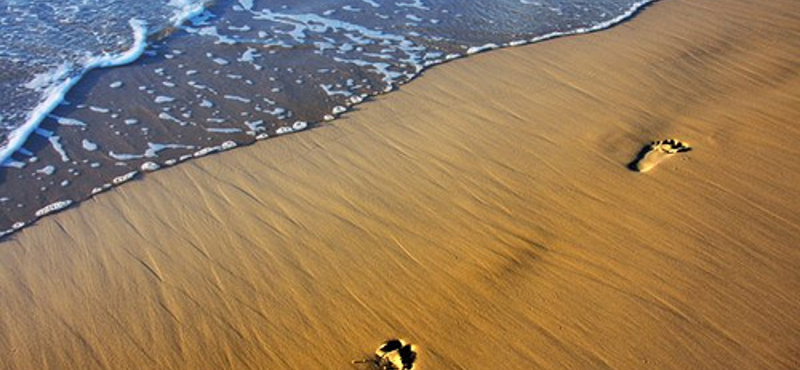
(484, 213)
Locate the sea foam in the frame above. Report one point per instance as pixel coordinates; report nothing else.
(54, 91)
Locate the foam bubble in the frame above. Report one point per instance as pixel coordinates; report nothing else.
(164, 99)
(206, 151)
(53, 207)
(64, 121)
(283, 130)
(88, 145)
(100, 189)
(47, 170)
(149, 166)
(299, 125)
(228, 145)
(237, 98)
(121, 179)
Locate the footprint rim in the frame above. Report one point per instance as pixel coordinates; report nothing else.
(667, 147)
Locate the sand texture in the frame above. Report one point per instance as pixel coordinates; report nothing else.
(485, 213)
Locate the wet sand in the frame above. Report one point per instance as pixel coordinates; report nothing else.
(486, 213)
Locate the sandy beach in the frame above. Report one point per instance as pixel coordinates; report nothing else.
(485, 212)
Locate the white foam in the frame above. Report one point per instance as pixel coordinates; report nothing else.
(331, 91)
(46, 79)
(223, 130)
(150, 166)
(212, 31)
(55, 91)
(228, 145)
(414, 4)
(100, 189)
(277, 111)
(244, 28)
(283, 130)
(303, 23)
(482, 48)
(371, 3)
(47, 170)
(246, 4)
(124, 157)
(220, 61)
(9, 162)
(163, 99)
(53, 207)
(299, 125)
(99, 109)
(124, 178)
(356, 99)
(206, 151)
(185, 9)
(249, 55)
(88, 145)
(151, 152)
(237, 98)
(55, 141)
(64, 121)
(168, 117)
(196, 85)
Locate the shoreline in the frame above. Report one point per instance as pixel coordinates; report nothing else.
(485, 213)
(22, 207)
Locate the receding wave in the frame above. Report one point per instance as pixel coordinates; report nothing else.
(70, 39)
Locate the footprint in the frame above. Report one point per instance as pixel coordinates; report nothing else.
(394, 354)
(653, 154)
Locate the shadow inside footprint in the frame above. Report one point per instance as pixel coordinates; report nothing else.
(654, 153)
(394, 354)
